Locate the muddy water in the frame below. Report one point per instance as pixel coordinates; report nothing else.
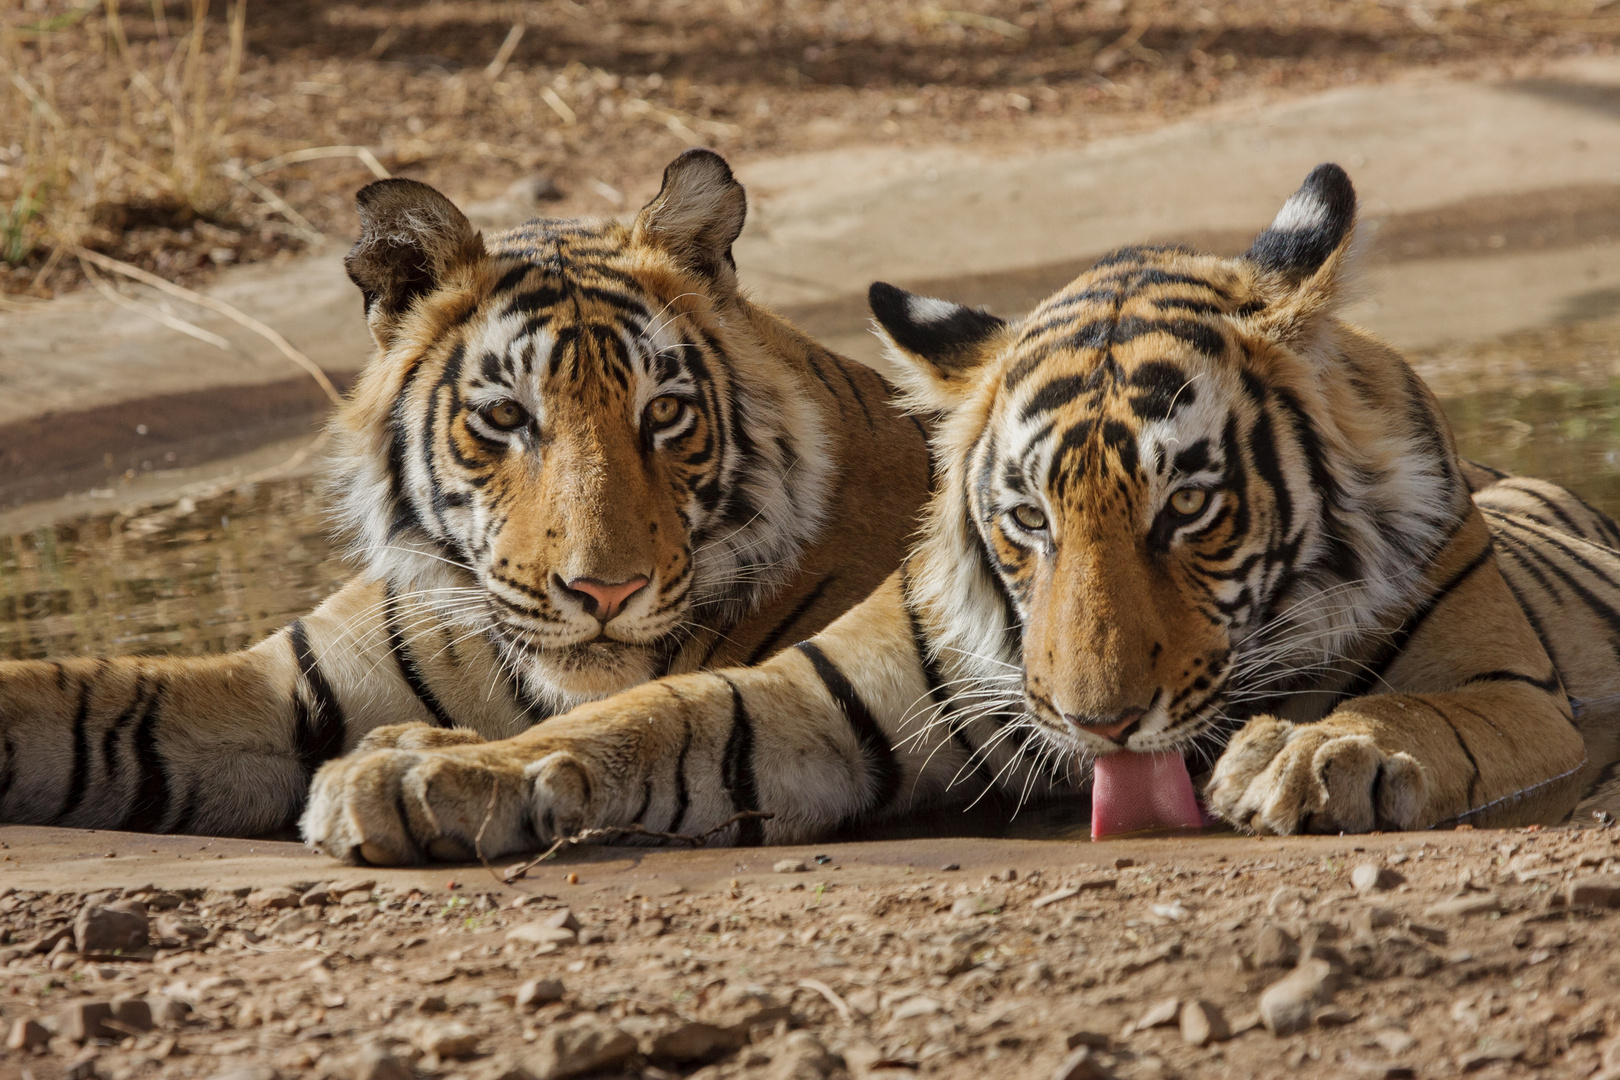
(224, 572)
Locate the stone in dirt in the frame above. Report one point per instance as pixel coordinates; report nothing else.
(692, 1041)
(1463, 906)
(561, 919)
(1370, 878)
(1289, 1004)
(316, 895)
(1203, 1023)
(177, 928)
(369, 1063)
(564, 1051)
(790, 866)
(1492, 1051)
(915, 1006)
(272, 899)
(536, 934)
(107, 930)
(132, 1013)
(1275, 947)
(247, 1072)
(1394, 1041)
(1595, 892)
(1163, 1012)
(445, 1039)
(82, 1020)
(538, 992)
(1082, 1064)
(27, 1034)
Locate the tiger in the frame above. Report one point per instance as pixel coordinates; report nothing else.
(1181, 508)
(580, 458)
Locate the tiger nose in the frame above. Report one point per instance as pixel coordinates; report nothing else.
(1117, 730)
(603, 599)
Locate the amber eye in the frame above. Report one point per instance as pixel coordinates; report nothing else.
(1029, 517)
(1189, 501)
(664, 411)
(504, 415)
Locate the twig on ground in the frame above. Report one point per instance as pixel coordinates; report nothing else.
(504, 53)
(276, 203)
(319, 153)
(211, 303)
(518, 870)
(831, 995)
(171, 321)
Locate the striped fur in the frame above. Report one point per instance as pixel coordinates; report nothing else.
(566, 407)
(1180, 507)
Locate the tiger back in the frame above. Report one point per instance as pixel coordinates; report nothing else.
(580, 459)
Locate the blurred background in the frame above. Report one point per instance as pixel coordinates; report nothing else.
(177, 181)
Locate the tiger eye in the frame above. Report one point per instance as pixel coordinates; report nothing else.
(505, 415)
(1030, 517)
(663, 411)
(1189, 501)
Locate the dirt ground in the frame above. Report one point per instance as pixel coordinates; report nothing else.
(1485, 953)
(132, 136)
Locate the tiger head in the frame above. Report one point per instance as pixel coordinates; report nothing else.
(574, 438)
(1176, 486)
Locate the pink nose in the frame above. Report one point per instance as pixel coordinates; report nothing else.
(604, 599)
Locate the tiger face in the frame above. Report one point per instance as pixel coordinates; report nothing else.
(1178, 496)
(570, 441)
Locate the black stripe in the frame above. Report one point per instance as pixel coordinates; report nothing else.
(682, 797)
(408, 668)
(150, 806)
(80, 777)
(1556, 510)
(9, 770)
(1462, 743)
(737, 770)
(320, 724)
(1549, 683)
(882, 768)
(934, 679)
(1596, 604)
(778, 632)
(1373, 673)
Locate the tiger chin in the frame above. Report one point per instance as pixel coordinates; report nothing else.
(1178, 508)
(581, 458)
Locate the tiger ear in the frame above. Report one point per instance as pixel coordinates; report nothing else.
(1304, 256)
(931, 347)
(696, 216)
(411, 239)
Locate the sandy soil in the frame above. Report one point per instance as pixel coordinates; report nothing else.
(1387, 956)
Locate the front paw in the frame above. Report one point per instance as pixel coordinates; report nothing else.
(416, 736)
(390, 807)
(1284, 778)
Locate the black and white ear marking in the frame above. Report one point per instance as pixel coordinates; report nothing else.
(697, 215)
(938, 331)
(410, 238)
(1311, 226)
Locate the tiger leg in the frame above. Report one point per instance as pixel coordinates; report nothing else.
(811, 736)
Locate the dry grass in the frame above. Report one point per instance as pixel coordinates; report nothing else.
(131, 126)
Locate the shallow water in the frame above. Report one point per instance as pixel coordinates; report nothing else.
(226, 571)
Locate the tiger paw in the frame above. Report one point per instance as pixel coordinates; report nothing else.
(416, 736)
(1283, 778)
(390, 807)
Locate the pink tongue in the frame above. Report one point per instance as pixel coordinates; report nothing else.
(1131, 792)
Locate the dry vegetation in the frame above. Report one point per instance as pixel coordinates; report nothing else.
(133, 127)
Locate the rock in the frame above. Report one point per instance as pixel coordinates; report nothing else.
(967, 907)
(918, 1005)
(537, 992)
(132, 1013)
(82, 1020)
(272, 899)
(1203, 1023)
(177, 928)
(295, 921)
(106, 930)
(167, 1011)
(317, 895)
(1163, 1012)
(561, 919)
(651, 928)
(536, 934)
(692, 1041)
(446, 1039)
(591, 936)
(1463, 906)
(1370, 878)
(1097, 1040)
(1082, 1064)
(1394, 1041)
(1598, 892)
(790, 866)
(1491, 1051)
(1275, 947)
(48, 943)
(801, 1056)
(536, 188)
(246, 1072)
(1289, 1003)
(564, 1051)
(27, 1035)
(433, 1003)
(370, 1063)
(355, 897)
(1364, 920)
